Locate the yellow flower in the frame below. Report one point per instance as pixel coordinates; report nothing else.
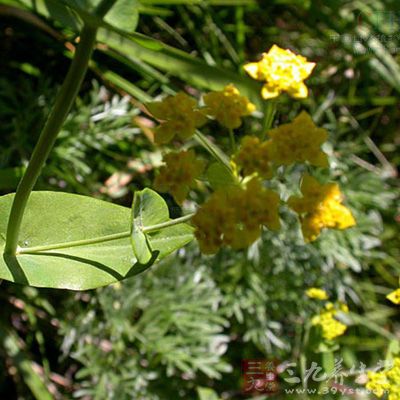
(330, 326)
(228, 106)
(394, 372)
(254, 157)
(234, 216)
(298, 141)
(180, 116)
(394, 296)
(283, 71)
(315, 293)
(377, 383)
(320, 207)
(212, 221)
(179, 174)
(393, 375)
(387, 381)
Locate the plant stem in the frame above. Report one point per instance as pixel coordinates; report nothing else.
(214, 150)
(269, 114)
(64, 101)
(232, 139)
(172, 222)
(102, 239)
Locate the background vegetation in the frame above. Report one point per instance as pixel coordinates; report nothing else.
(181, 329)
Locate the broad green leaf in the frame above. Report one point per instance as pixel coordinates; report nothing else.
(58, 221)
(150, 209)
(52, 219)
(219, 176)
(169, 239)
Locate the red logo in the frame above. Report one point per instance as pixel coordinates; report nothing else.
(259, 376)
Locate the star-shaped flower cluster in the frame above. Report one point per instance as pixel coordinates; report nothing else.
(282, 71)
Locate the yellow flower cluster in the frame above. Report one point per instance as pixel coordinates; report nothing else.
(180, 117)
(228, 106)
(254, 157)
(387, 381)
(331, 327)
(394, 296)
(320, 207)
(315, 293)
(234, 216)
(283, 71)
(377, 383)
(298, 141)
(179, 174)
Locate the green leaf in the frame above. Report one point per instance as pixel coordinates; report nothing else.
(53, 9)
(56, 220)
(150, 209)
(122, 17)
(141, 211)
(219, 176)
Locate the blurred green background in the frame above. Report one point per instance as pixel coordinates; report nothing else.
(181, 329)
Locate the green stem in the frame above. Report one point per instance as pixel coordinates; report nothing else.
(172, 222)
(269, 114)
(214, 150)
(232, 139)
(64, 101)
(102, 239)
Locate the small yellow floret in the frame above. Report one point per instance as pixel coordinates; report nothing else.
(254, 157)
(298, 141)
(394, 296)
(179, 174)
(386, 381)
(233, 216)
(283, 71)
(377, 383)
(228, 106)
(320, 207)
(180, 117)
(330, 326)
(315, 293)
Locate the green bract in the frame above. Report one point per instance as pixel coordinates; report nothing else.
(149, 211)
